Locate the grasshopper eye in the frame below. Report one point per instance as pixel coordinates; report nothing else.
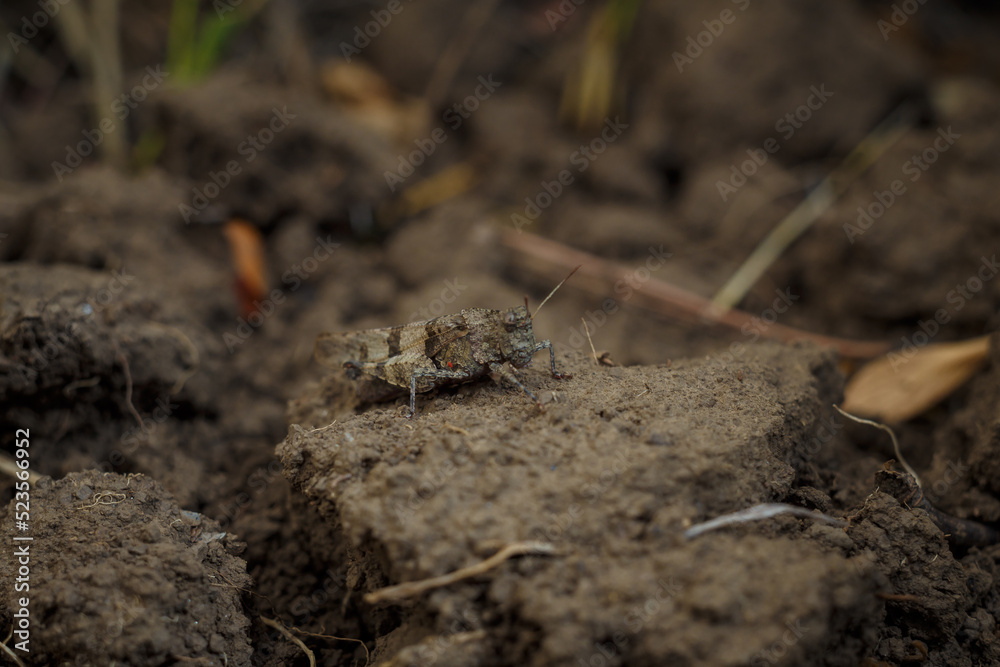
(510, 318)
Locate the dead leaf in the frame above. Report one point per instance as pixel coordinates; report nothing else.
(365, 95)
(894, 388)
(446, 184)
(247, 248)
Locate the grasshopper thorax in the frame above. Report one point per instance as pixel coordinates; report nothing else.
(517, 346)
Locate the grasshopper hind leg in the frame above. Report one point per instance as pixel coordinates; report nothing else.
(501, 371)
(435, 373)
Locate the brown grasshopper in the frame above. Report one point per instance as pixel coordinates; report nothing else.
(450, 349)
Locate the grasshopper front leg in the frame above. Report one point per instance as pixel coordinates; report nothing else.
(552, 359)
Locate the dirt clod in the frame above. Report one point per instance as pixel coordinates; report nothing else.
(615, 469)
(140, 581)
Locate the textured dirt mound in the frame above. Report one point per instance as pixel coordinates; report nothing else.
(107, 367)
(119, 573)
(620, 461)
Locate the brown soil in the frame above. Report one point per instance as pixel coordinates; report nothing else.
(201, 474)
(137, 580)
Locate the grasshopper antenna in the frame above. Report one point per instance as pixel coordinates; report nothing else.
(532, 315)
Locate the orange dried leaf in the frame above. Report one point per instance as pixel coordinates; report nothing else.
(355, 83)
(247, 248)
(896, 387)
(364, 94)
(446, 184)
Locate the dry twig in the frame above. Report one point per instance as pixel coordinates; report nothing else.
(597, 275)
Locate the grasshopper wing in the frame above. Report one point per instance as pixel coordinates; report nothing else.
(391, 346)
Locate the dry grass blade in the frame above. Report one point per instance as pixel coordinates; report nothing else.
(93, 42)
(589, 91)
(592, 350)
(8, 466)
(813, 206)
(895, 388)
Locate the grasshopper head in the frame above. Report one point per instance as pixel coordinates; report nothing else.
(518, 342)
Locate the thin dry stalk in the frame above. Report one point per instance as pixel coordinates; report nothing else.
(292, 638)
(892, 434)
(9, 466)
(818, 202)
(339, 639)
(10, 653)
(592, 350)
(93, 43)
(412, 588)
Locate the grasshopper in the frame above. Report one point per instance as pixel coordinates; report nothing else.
(446, 350)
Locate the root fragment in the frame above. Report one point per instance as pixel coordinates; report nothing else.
(412, 588)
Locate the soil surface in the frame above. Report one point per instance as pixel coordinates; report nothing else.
(210, 494)
(129, 577)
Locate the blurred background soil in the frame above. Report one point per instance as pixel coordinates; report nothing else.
(385, 177)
